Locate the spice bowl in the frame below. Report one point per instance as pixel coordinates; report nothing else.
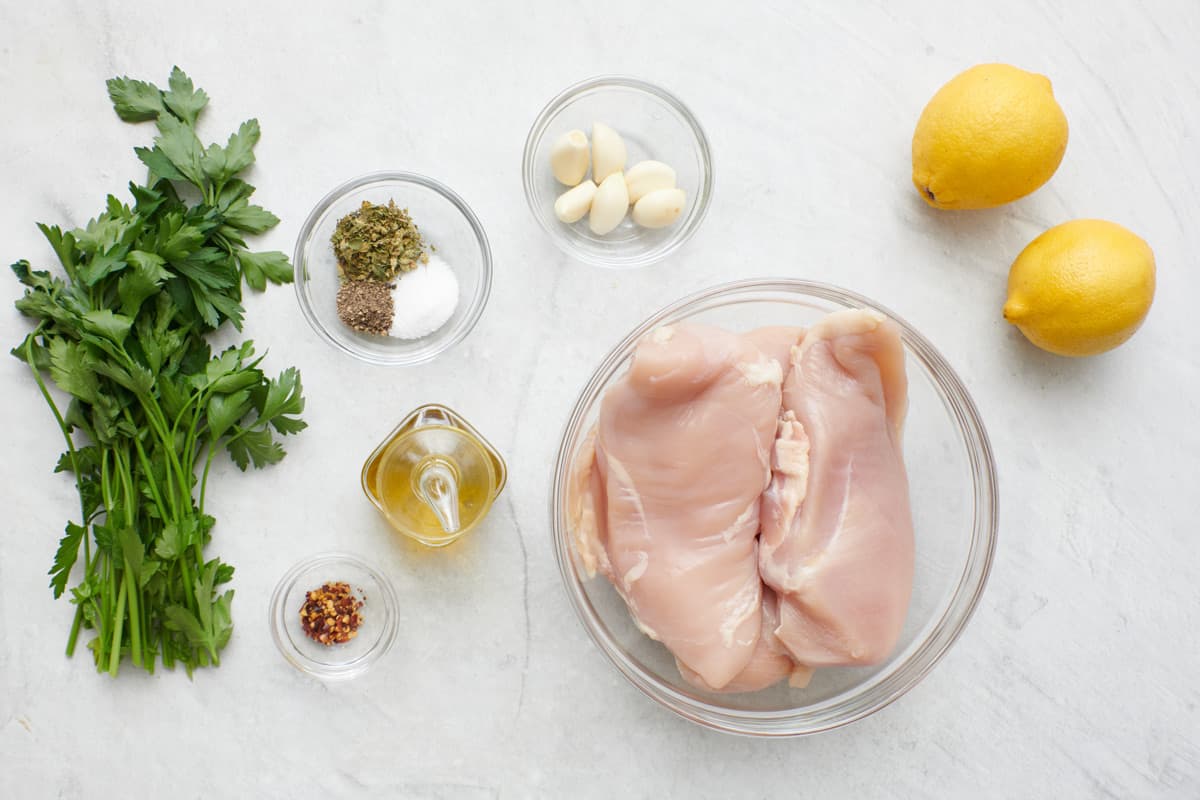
(447, 225)
(374, 636)
(654, 124)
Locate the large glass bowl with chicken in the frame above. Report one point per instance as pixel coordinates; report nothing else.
(774, 507)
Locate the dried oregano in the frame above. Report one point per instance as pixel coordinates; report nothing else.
(377, 243)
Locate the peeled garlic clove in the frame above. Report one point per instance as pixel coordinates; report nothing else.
(645, 177)
(659, 209)
(608, 152)
(573, 204)
(609, 205)
(569, 157)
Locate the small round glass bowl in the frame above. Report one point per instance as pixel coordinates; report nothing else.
(655, 125)
(952, 481)
(339, 661)
(445, 221)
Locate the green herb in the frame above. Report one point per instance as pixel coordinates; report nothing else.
(377, 243)
(123, 335)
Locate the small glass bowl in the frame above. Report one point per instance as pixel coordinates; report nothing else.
(655, 125)
(952, 485)
(445, 221)
(339, 661)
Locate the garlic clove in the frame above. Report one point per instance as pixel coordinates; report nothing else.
(569, 157)
(609, 205)
(573, 204)
(608, 152)
(645, 177)
(659, 209)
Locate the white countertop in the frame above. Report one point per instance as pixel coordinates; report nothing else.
(1077, 676)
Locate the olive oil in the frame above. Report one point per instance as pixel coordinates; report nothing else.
(435, 477)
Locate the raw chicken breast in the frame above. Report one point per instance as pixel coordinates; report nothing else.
(769, 664)
(586, 510)
(837, 537)
(776, 342)
(667, 505)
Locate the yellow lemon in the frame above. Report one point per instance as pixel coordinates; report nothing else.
(1081, 288)
(991, 135)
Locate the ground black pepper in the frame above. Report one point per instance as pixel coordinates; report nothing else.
(366, 306)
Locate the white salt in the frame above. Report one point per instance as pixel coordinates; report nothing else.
(425, 298)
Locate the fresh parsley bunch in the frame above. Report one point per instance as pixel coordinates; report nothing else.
(123, 335)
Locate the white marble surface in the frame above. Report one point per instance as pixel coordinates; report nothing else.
(1077, 676)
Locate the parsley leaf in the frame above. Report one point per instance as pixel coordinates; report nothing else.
(184, 100)
(63, 244)
(255, 445)
(179, 143)
(180, 619)
(251, 219)
(258, 268)
(141, 282)
(225, 410)
(64, 557)
(213, 162)
(170, 543)
(135, 101)
(175, 240)
(283, 398)
(239, 150)
(159, 165)
(73, 371)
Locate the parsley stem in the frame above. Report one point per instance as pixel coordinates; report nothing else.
(189, 596)
(135, 625)
(114, 655)
(145, 461)
(111, 617)
(121, 456)
(74, 636)
(66, 432)
(124, 469)
(148, 649)
(105, 494)
(212, 452)
(155, 417)
(168, 653)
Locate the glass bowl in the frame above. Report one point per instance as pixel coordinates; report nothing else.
(376, 633)
(445, 221)
(953, 489)
(655, 125)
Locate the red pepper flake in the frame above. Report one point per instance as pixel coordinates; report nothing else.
(330, 615)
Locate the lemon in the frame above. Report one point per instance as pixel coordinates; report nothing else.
(991, 135)
(1081, 288)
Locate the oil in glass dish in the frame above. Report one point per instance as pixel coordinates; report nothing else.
(435, 477)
